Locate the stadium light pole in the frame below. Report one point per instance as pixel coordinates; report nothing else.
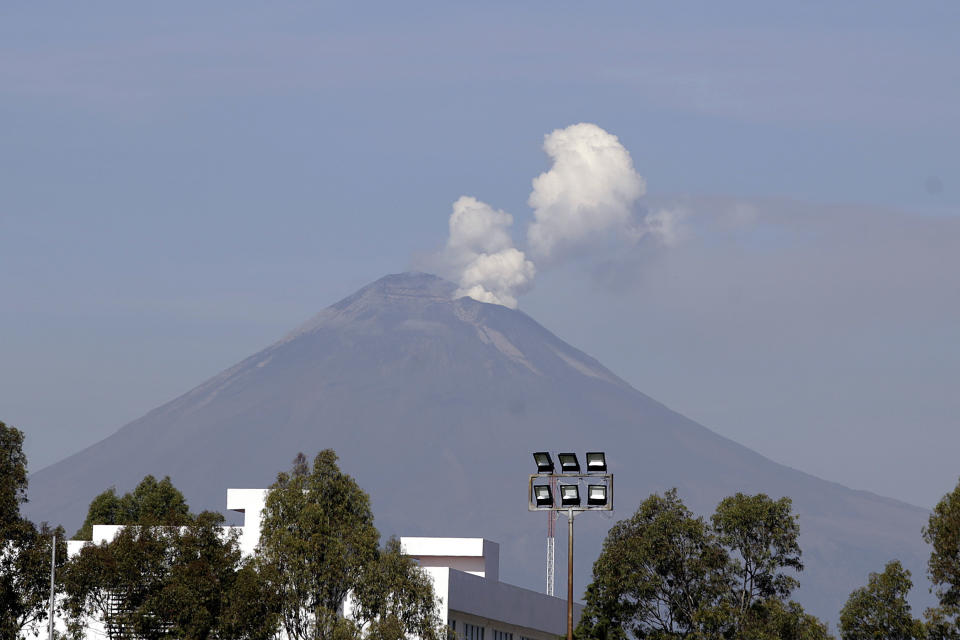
(599, 493)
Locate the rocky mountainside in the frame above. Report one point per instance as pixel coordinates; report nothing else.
(435, 405)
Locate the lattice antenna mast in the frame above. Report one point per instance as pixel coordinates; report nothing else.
(551, 528)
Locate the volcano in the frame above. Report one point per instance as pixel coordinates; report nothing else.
(434, 405)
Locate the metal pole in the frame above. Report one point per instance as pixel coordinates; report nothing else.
(53, 568)
(569, 574)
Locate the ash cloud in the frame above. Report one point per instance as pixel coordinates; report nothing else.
(587, 197)
(481, 250)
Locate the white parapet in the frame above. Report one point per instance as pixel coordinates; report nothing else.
(250, 503)
(471, 555)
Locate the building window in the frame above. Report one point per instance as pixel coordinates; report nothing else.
(472, 631)
(502, 635)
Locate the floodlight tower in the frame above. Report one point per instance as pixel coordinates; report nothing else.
(540, 497)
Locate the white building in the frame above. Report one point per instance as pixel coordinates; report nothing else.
(465, 573)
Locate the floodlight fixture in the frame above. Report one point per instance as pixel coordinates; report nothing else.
(597, 495)
(544, 462)
(596, 461)
(570, 495)
(542, 495)
(569, 462)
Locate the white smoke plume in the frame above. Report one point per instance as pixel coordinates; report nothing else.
(497, 277)
(476, 227)
(588, 194)
(591, 188)
(481, 250)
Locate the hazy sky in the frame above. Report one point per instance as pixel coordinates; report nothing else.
(182, 183)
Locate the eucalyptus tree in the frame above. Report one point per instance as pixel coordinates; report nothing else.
(317, 540)
(152, 502)
(659, 570)
(880, 609)
(171, 574)
(25, 549)
(666, 573)
(943, 534)
(13, 475)
(760, 535)
(395, 598)
(318, 544)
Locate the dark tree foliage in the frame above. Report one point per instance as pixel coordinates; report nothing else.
(395, 598)
(25, 575)
(880, 609)
(150, 503)
(774, 619)
(761, 536)
(665, 573)
(943, 534)
(13, 475)
(940, 623)
(178, 575)
(24, 548)
(317, 539)
(203, 563)
(114, 580)
(318, 543)
(251, 609)
(657, 572)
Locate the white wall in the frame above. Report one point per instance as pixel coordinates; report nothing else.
(473, 555)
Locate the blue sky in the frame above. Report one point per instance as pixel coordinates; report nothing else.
(182, 184)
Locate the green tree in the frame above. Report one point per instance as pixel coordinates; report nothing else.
(151, 502)
(658, 571)
(943, 534)
(941, 623)
(203, 563)
(395, 598)
(880, 610)
(24, 548)
(185, 579)
(252, 608)
(13, 475)
(317, 541)
(25, 575)
(112, 582)
(774, 619)
(761, 535)
(665, 573)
